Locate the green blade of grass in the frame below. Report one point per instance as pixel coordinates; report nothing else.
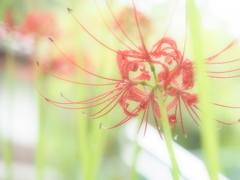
(10, 83)
(209, 136)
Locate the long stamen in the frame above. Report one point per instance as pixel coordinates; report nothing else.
(181, 120)
(224, 77)
(92, 116)
(69, 59)
(126, 119)
(194, 111)
(176, 111)
(214, 56)
(143, 117)
(146, 119)
(190, 113)
(185, 36)
(234, 107)
(56, 103)
(64, 107)
(156, 120)
(102, 17)
(224, 71)
(90, 34)
(115, 97)
(119, 26)
(231, 123)
(139, 31)
(171, 18)
(75, 82)
(224, 62)
(93, 98)
(86, 102)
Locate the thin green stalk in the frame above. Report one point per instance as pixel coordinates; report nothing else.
(8, 158)
(166, 127)
(7, 142)
(39, 154)
(83, 138)
(40, 147)
(209, 136)
(168, 135)
(97, 143)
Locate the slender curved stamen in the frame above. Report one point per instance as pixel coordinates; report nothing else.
(156, 121)
(119, 26)
(224, 77)
(171, 18)
(234, 107)
(194, 111)
(92, 116)
(190, 113)
(116, 96)
(85, 101)
(181, 119)
(176, 111)
(142, 119)
(104, 45)
(139, 30)
(214, 56)
(69, 59)
(146, 118)
(93, 98)
(65, 107)
(231, 123)
(75, 82)
(82, 102)
(224, 71)
(224, 62)
(111, 29)
(185, 37)
(126, 119)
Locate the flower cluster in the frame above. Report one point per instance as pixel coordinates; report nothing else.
(142, 73)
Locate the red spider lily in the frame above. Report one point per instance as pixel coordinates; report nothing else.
(135, 92)
(42, 23)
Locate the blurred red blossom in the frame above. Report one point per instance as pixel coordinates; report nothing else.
(39, 22)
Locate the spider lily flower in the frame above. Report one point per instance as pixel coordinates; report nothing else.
(38, 22)
(143, 72)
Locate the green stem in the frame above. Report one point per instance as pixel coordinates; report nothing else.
(7, 156)
(168, 135)
(83, 144)
(40, 147)
(39, 155)
(209, 136)
(7, 141)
